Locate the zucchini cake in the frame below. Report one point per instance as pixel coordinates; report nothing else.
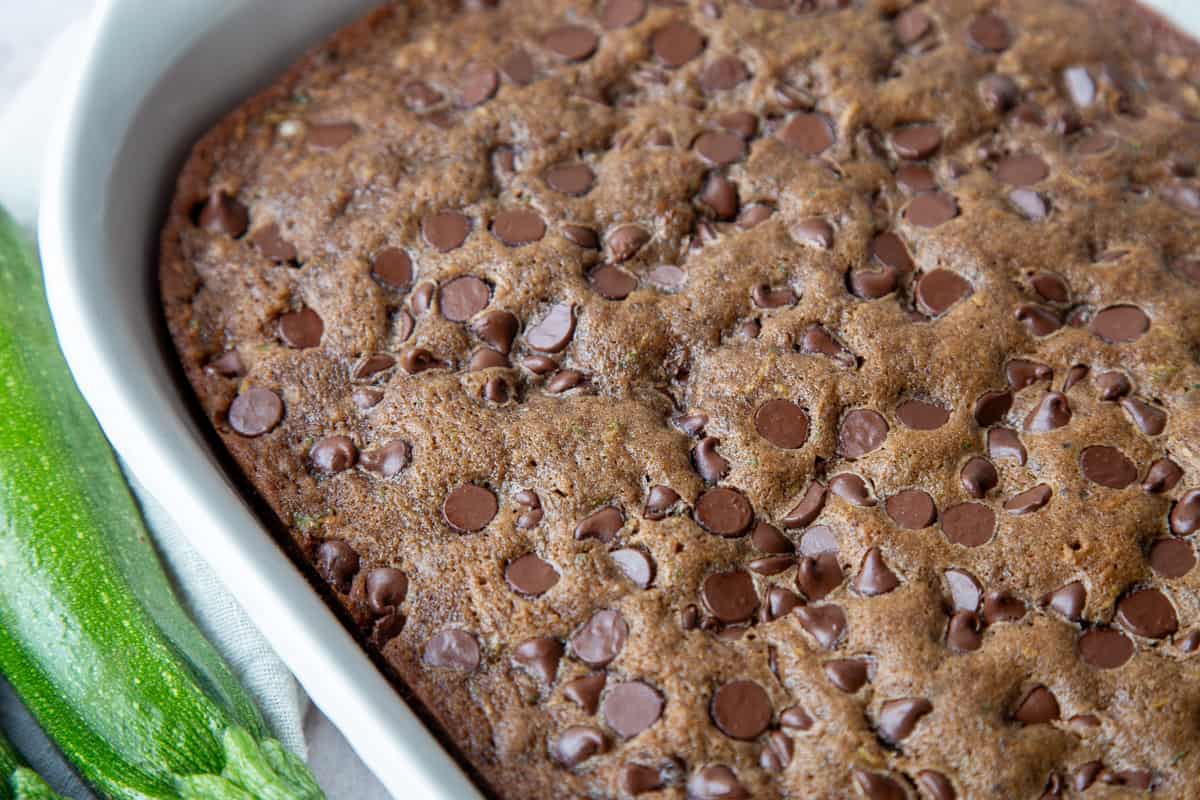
(731, 398)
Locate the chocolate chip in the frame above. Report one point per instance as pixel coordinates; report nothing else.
(612, 282)
(224, 214)
(936, 785)
(464, 297)
(730, 596)
(851, 488)
(1185, 516)
(386, 628)
(817, 340)
(969, 524)
(420, 96)
(635, 564)
(979, 477)
(878, 787)
(917, 142)
(540, 656)
(372, 365)
(768, 539)
(941, 289)
(810, 133)
(577, 744)
(600, 639)
(1163, 475)
(808, 508)
(873, 284)
(814, 232)
(1002, 607)
(912, 509)
(890, 251)
(777, 752)
(1107, 466)
(795, 718)
(1038, 705)
(571, 42)
(766, 296)
(227, 365)
(622, 13)
(1113, 386)
(916, 178)
(931, 209)
(1034, 207)
(573, 179)
(1022, 373)
(452, 649)
(848, 674)
(991, 407)
(1086, 774)
(756, 214)
(337, 563)
(911, 25)
(825, 623)
(365, 398)
(581, 236)
(711, 465)
(659, 501)
(1039, 321)
(469, 508)
(554, 331)
(1029, 501)
(862, 431)
(782, 423)
(724, 73)
(386, 589)
(965, 591)
(421, 299)
(255, 411)
(445, 230)
(1151, 420)
(333, 454)
(1118, 324)
(990, 32)
(496, 390)
(898, 718)
(1000, 92)
(964, 633)
(1104, 648)
(602, 524)
(741, 709)
(716, 782)
(479, 82)
(518, 67)
(718, 148)
(1050, 287)
(270, 243)
(518, 227)
(1004, 443)
(1148, 612)
(819, 575)
(1074, 375)
(817, 540)
(625, 241)
(922, 416)
(875, 577)
(676, 43)
(1068, 600)
(417, 359)
(301, 329)
(720, 195)
(772, 565)
(1022, 170)
(585, 691)
(1053, 411)
(636, 779)
(668, 277)
(530, 575)
(632, 707)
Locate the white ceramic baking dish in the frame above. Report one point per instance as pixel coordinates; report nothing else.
(156, 74)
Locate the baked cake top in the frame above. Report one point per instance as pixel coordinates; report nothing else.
(779, 398)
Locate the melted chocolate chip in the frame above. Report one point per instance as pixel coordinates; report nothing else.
(741, 709)
(848, 674)
(540, 656)
(875, 786)
(446, 230)
(463, 297)
(600, 639)
(518, 227)
(386, 589)
(1002, 607)
(637, 779)
(810, 133)
(1172, 558)
(969, 524)
(1004, 443)
(333, 454)
(1185, 516)
(1104, 648)
(602, 524)
(301, 329)
(337, 563)
(922, 416)
(723, 73)
(1148, 612)
(622, 13)
(782, 423)
(862, 431)
(554, 331)
(808, 508)
(478, 84)
(452, 649)
(716, 782)
(571, 42)
(632, 707)
(577, 744)
(676, 43)
(469, 508)
(936, 785)
(1038, 705)
(530, 575)
(255, 411)
(730, 596)
(1119, 324)
(659, 501)
(917, 142)
(979, 477)
(931, 209)
(851, 488)
(611, 282)
(825, 623)
(898, 718)
(1022, 373)
(711, 465)
(1151, 420)
(990, 33)
(270, 242)
(912, 509)
(637, 566)
(1107, 466)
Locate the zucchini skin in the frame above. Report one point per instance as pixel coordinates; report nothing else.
(91, 634)
(19, 782)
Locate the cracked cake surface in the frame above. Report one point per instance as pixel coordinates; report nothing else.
(731, 398)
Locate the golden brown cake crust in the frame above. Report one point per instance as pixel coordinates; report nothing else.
(732, 398)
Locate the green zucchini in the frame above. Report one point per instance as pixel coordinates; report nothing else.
(19, 782)
(91, 634)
